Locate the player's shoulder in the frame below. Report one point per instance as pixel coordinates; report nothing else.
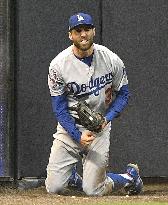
(103, 49)
(62, 56)
(107, 53)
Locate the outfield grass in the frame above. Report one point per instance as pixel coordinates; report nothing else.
(129, 203)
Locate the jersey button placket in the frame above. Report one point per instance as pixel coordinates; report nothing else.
(91, 72)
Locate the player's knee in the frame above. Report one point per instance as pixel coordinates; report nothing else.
(89, 190)
(53, 186)
(94, 190)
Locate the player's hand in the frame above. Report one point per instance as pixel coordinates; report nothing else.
(104, 124)
(87, 138)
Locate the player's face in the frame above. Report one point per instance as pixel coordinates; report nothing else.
(82, 37)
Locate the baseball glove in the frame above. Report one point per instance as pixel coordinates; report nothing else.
(90, 119)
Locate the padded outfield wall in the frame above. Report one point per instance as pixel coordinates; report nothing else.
(7, 151)
(137, 32)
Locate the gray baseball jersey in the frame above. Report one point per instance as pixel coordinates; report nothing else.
(69, 74)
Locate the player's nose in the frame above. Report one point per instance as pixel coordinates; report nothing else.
(83, 33)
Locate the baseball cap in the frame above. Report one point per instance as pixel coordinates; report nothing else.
(80, 19)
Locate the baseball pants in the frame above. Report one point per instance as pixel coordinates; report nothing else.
(65, 154)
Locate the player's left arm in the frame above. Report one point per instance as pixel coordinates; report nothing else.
(118, 104)
(120, 84)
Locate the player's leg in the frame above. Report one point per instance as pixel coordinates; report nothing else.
(95, 181)
(75, 180)
(61, 163)
(131, 180)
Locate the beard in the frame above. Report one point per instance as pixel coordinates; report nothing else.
(84, 46)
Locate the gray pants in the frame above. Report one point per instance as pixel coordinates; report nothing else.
(65, 154)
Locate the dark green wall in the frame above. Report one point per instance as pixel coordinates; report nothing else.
(137, 32)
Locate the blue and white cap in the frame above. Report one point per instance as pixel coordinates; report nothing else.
(80, 19)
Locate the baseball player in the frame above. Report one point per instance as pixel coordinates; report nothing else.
(90, 73)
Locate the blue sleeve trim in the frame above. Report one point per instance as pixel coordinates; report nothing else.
(60, 109)
(118, 104)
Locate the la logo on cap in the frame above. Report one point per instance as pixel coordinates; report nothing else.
(80, 18)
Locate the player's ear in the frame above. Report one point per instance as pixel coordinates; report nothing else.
(94, 31)
(70, 36)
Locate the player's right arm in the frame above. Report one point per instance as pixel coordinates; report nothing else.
(60, 108)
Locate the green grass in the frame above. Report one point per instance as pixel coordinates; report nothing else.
(128, 203)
